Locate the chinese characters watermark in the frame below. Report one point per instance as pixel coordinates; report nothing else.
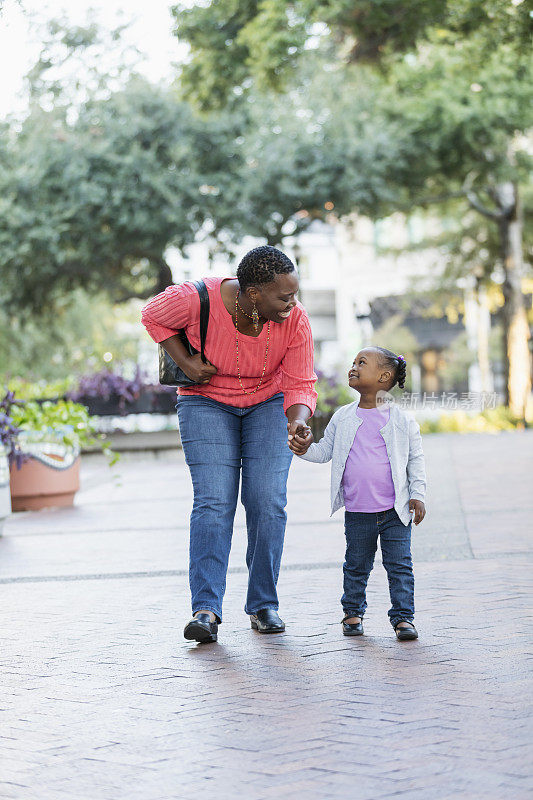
(445, 401)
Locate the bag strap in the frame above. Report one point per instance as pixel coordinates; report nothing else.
(201, 288)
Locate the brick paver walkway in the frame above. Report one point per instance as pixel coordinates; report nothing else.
(102, 699)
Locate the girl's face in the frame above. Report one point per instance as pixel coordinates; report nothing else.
(366, 374)
(275, 300)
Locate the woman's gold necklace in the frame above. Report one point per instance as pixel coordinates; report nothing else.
(254, 316)
(241, 309)
(237, 306)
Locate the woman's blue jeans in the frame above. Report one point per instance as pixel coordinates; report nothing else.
(362, 531)
(221, 442)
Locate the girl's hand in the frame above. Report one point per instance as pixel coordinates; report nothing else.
(420, 510)
(297, 426)
(299, 442)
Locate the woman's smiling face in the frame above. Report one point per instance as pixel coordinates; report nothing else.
(275, 300)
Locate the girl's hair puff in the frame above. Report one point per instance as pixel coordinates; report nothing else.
(396, 364)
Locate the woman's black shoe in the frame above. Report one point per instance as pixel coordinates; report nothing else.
(201, 629)
(405, 634)
(352, 628)
(266, 620)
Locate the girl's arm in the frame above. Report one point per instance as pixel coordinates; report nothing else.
(322, 451)
(416, 468)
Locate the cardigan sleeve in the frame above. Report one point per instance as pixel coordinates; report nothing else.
(297, 366)
(168, 312)
(322, 451)
(416, 469)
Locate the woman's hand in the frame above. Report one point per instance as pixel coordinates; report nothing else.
(420, 510)
(193, 366)
(197, 371)
(300, 443)
(299, 436)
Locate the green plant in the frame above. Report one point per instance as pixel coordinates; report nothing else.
(331, 393)
(491, 420)
(39, 390)
(64, 420)
(51, 347)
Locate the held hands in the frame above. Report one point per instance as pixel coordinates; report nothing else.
(197, 371)
(299, 437)
(420, 510)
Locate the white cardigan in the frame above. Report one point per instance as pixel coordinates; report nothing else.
(404, 448)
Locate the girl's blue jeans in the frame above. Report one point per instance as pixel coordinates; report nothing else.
(223, 444)
(362, 532)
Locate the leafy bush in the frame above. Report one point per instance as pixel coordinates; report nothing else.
(40, 390)
(103, 385)
(491, 420)
(331, 393)
(68, 339)
(63, 421)
(107, 384)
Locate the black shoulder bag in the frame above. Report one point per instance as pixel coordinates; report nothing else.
(169, 372)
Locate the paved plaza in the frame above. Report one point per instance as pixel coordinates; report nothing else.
(102, 698)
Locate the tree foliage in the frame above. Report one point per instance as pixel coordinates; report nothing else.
(236, 43)
(95, 202)
(452, 84)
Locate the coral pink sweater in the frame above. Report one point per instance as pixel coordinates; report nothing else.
(289, 367)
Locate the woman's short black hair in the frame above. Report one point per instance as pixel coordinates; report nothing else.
(395, 363)
(261, 265)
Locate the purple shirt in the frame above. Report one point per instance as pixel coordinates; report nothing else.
(367, 480)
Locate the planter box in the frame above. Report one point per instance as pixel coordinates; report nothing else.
(49, 479)
(146, 403)
(36, 485)
(100, 407)
(163, 402)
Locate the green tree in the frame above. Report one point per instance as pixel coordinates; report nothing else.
(454, 81)
(69, 340)
(301, 162)
(236, 43)
(104, 173)
(95, 203)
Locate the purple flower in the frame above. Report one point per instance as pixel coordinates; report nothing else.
(9, 433)
(106, 384)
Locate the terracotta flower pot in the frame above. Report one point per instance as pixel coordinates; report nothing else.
(45, 481)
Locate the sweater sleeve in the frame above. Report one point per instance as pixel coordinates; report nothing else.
(416, 470)
(168, 312)
(322, 451)
(297, 365)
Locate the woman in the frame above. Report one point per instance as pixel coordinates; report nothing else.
(260, 364)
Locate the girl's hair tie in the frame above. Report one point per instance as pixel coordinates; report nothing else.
(401, 358)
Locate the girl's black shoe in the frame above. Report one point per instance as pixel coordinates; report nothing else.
(201, 629)
(406, 634)
(352, 628)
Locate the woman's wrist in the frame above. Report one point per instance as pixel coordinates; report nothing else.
(298, 412)
(177, 350)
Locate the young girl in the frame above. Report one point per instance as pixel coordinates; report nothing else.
(378, 474)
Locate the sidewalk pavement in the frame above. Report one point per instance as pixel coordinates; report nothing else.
(104, 700)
